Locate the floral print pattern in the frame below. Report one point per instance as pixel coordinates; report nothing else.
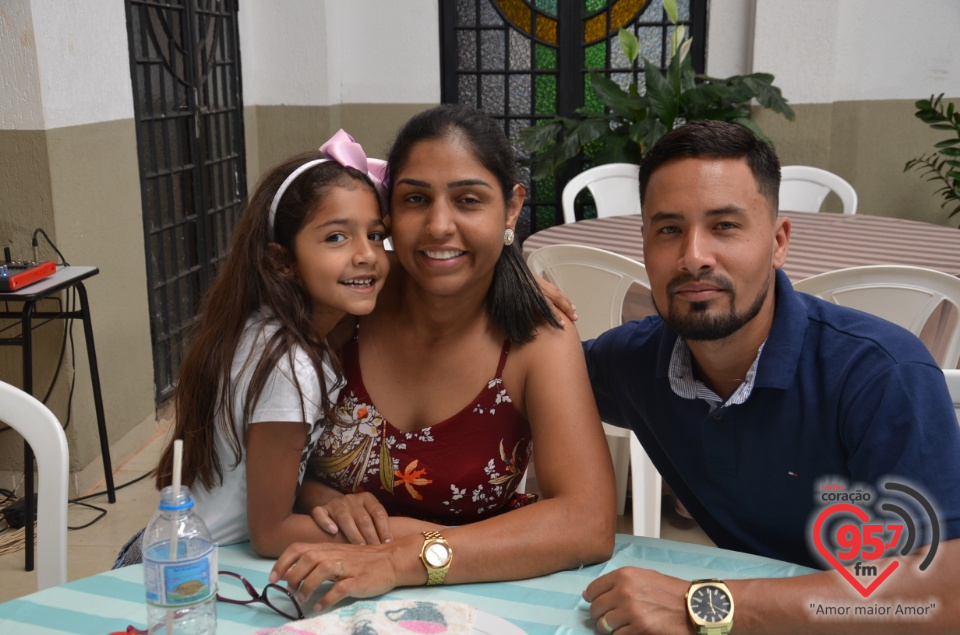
(465, 468)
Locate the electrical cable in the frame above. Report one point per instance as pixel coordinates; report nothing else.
(103, 512)
(33, 241)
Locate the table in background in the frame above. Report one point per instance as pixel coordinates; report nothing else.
(818, 242)
(65, 278)
(547, 605)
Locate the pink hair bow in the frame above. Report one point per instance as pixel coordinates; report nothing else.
(342, 149)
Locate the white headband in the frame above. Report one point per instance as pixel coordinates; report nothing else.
(286, 183)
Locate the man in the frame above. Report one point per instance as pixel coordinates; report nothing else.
(751, 398)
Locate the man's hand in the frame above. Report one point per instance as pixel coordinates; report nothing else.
(631, 600)
(557, 298)
(360, 517)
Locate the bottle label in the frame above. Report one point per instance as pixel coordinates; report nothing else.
(190, 578)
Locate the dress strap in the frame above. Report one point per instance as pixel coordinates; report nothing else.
(503, 358)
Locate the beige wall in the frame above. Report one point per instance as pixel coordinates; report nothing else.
(274, 133)
(867, 143)
(81, 185)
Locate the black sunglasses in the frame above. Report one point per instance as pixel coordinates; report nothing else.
(273, 595)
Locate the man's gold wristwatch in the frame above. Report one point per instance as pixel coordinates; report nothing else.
(710, 605)
(436, 555)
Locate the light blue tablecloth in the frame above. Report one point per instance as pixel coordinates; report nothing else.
(549, 605)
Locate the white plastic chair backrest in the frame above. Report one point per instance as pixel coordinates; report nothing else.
(43, 432)
(952, 375)
(595, 280)
(901, 294)
(615, 188)
(803, 189)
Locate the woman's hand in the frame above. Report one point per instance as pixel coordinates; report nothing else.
(358, 571)
(360, 517)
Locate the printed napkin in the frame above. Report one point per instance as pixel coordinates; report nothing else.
(389, 617)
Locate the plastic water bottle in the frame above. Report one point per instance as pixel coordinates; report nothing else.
(179, 568)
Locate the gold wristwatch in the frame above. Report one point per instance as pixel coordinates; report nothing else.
(436, 555)
(710, 605)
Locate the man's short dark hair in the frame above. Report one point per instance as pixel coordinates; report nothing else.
(721, 140)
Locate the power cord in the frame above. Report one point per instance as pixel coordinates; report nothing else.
(10, 495)
(103, 512)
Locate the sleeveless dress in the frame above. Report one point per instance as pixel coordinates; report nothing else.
(463, 469)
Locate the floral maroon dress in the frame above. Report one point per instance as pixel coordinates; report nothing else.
(460, 470)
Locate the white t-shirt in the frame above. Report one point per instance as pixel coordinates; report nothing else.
(224, 509)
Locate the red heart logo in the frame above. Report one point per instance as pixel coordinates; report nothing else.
(818, 541)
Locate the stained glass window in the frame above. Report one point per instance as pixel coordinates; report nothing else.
(523, 61)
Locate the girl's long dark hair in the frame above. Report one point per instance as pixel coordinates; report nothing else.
(515, 301)
(257, 274)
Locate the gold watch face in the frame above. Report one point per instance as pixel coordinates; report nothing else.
(710, 603)
(437, 554)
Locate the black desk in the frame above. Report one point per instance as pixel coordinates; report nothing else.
(65, 278)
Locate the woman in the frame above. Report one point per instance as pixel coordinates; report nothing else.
(461, 341)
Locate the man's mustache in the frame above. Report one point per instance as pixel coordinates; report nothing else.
(720, 282)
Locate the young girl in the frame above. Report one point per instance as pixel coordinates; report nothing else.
(259, 378)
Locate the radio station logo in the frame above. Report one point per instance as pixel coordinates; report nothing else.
(852, 540)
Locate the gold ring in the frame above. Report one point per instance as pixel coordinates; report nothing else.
(341, 572)
(605, 625)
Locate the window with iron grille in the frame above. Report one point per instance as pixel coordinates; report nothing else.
(525, 60)
(185, 67)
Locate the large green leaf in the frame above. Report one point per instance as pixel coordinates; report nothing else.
(617, 149)
(614, 97)
(663, 101)
(769, 96)
(629, 44)
(537, 138)
(670, 6)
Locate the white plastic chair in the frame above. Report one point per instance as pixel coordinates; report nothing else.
(43, 432)
(615, 188)
(952, 375)
(597, 281)
(904, 295)
(803, 189)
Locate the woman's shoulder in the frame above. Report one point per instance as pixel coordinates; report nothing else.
(549, 343)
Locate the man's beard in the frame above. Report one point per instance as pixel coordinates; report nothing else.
(697, 324)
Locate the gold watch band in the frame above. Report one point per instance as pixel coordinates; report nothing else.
(435, 573)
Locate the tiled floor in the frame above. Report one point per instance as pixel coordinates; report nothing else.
(93, 549)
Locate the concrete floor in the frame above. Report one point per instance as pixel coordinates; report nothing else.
(93, 549)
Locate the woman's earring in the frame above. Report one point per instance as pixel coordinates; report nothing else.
(508, 236)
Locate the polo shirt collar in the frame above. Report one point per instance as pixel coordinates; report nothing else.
(778, 366)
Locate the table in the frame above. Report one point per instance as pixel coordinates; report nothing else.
(818, 243)
(540, 606)
(66, 277)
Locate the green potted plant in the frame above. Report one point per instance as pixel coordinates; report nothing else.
(942, 166)
(631, 123)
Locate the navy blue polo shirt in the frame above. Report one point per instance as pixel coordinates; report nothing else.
(839, 395)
